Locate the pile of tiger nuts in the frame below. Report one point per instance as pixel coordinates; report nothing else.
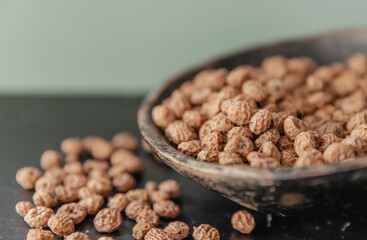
(78, 188)
(285, 113)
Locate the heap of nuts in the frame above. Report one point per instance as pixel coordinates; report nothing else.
(78, 188)
(285, 113)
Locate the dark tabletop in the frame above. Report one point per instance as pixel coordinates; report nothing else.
(29, 125)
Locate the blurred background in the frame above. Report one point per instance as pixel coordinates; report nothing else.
(115, 47)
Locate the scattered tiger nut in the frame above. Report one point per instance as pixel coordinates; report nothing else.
(27, 177)
(157, 196)
(23, 207)
(124, 182)
(193, 118)
(151, 186)
(45, 184)
(131, 165)
(270, 150)
(57, 174)
(107, 220)
(74, 167)
(179, 131)
(243, 221)
(101, 149)
(75, 211)
(239, 144)
(66, 194)
(44, 198)
(293, 126)
(77, 236)
(85, 192)
(238, 112)
(50, 159)
(208, 156)
(304, 140)
(337, 152)
(205, 231)
(162, 116)
(221, 123)
(75, 180)
(138, 194)
(288, 158)
(92, 204)
(177, 229)
(72, 146)
(40, 234)
(101, 186)
(326, 140)
(148, 216)
(254, 90)
(190, 148)
(118, 202)
(172, 187)
(133, 209)
(90, 165)
(213, 142)
(72, 157)
(309, 157)
(229, 158)
(140, 230)
(167, 209)
(271, 135)
(260, 121)
(360, 131)
(37, 217)
(125, 140)
(61, 225)
(157, 234)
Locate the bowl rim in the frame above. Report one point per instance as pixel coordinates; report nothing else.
(160, 147)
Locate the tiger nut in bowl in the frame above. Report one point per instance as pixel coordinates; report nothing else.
(274, 189)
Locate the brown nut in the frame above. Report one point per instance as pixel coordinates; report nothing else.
(208, 156)
(167, 209)
(211, 78)
(23, 207)
(293, 126)
(101, 186)
(360, 131)
(157, 196)
(275, 66)
(259, 160)
(44, 198)
(238, 75)
(72, 146)
(271, 135)
(260, 121)
(57, 174)
(238, 112)
(157, 234)
(238, 131)
(37, 217)
(177, 229)
(254, 90)
(92, 204)
(107, 220)
(177, 103)
(75, 180)
(270, 150)
(85, 192)
(124, 182)
(326, 140)
(133, 209)
(306, 139)
(309, 157)
(101, 149)
(178, 132)
(228, 158)
(172, 187)
(140, 230)
(50, 159)
(337, 152)
(77, 236)
(40, 234)
(221, 123)
(27, 177)
(239, 144)
(148, 216)
(358, 144)
(90, 165)
(45, 184)
(162, 116)
(66, 194)
(285, 143)
(243, 221)
(138, 194)
(213, 142)
(125, 140)
(190, 148)
(358, 63)
(61, 225)
(118, 202)
(193, 118)
(151, 186)
(331, 128)
(288, 158)
(205, 231)
(75, 211)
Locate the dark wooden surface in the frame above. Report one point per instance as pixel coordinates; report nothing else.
(29, 125)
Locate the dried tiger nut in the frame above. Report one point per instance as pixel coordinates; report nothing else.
(177, 229)
(239, 144)
(193, 118)
(151, 186)
(167, 209)
(358, 144)
(337, 152)
(285, 143)
(45, 184)
(358, 63)
(125, 140)
(238, 131)
(106, 238)
(326, 140)
(118, 202)
(237, 76)
(331, 128)
(157, 196)
(306, 139)
(56, 173)
(148, 216)
(107, 220)
(85, 192)
(44, 198)
(271, 135)
(178, 132)
(293, 126)
(124, 182)
(127, 160)
(172, 187)
(254, 90)
(97, 173)
(319, 99)
(270, 150)
(204, 232)
(243, 221)
(190, 148)
(187, 88)
(74, 167)
(177, 103)
(157, 234)
(50, 159)
(92, 204)
(276, 122)
(301, 65)
(345, 83)
(27, 177)
(133, 209)
(288, 158)
(139, 195)
(72, 146)
(315, 83)
(72, 158)
(259, 160)
(208, 156)
(205, 129)
(75, 211)
(101, 186)
(162, 116)
(213, 142)
(238, 112)
(140, 230)
(275, 67)
(309, 157)
(228, 158)
(199, 96)
(23, 207)
(101, 149)
(77, 236)
(40, 234)
(211, 78)
(356, 120)
(211, 108)
(221, 123)
(66, 194)
(260, 121)
(90, 165)
(37, 217)
(75, 180)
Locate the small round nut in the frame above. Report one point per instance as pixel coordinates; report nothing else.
(211, 78)
(92, 204)
(229, 158)
(205, 129)
(75, 180)
(270, 150)
(162, 116)
(61, 225)
(27, 177)
(239, 112)
(243, 221)
(208, 156)
(326, 140)
(133, 209)
(213, 142)
(254, 90)
(151, 186)
(66, 194)
(157, 234)
(275, 66)
(44, 198)
(148, 216)
(238, 131)
(101, 186)
(259, 160)
(124, 182)
(118, 202)
(57, 174)
(360, 131)
(309, 157)
(50, 159)
(238, 75)
(337, 152)
(271, 135)
(85, 192)
(23, 207)
(193, 118)
(331, 128)
(157, 196)
(40, 234)
(260, 121)
(190, 148)
(304, 140)
(90, 165)
(45, 184)
(74, 167)
(293, 126)
(101, 149)
(288, 158)
(37, 217)
(172, 187)
(77, 236)
(221, 123)
(167, 209)
(75, 211)
(358, 63)
(177, 229)
(205, 231)
(177, 103)
(140, 230)
(138, 194)
(125, 140)
(356, 120)
(178, 132)
(72, 146)
(239, 144)
(107, 220)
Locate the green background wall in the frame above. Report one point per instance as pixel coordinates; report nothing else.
(127, 47)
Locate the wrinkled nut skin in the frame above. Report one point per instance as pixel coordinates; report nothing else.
(74, 167)
(125, 140)
(44, 198)
(357, 120)
(358, 144)
(157, 234)
(27, 177)
(306, 139)
(238, 112)
(133, 209)
(90, 165)
(61, 225)
(211, 78)
(309, 157)
(238, 131)
(193, 118)
(167, 209)
(85, 192)
(271, 135)
(148, 216)
(75, 211)
(204, 232)
(228, 158)
(162, 116)
(260, 121)
(177, 103)
(101, 186)
(190, 148)
(337, 152)
(172, 187)
(92, 204)
(76, 181)
(50, 159)
(23, 207)
(101, 149)
(326, 140)
(40, 234)
(37, 217)
(66, 194)
(213, 142)
(56, 173)
(118, 202)
(237, 76)
(288, 158)
(270, 150)
(140, 230)
(178, 132)
(77, 236)
(293, 126)
(360, 131)
(208, 156)
(239, 144)
(221, 123)
(124, 182)
(177, 229)
(157, 196)
(259, 160)
(106, 238)
(72, 146)
(138, 194)
(254, 90)
(45, 184)
(151, 186)
(243, 221)
(107, 220)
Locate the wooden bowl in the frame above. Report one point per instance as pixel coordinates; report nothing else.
(282, 191)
